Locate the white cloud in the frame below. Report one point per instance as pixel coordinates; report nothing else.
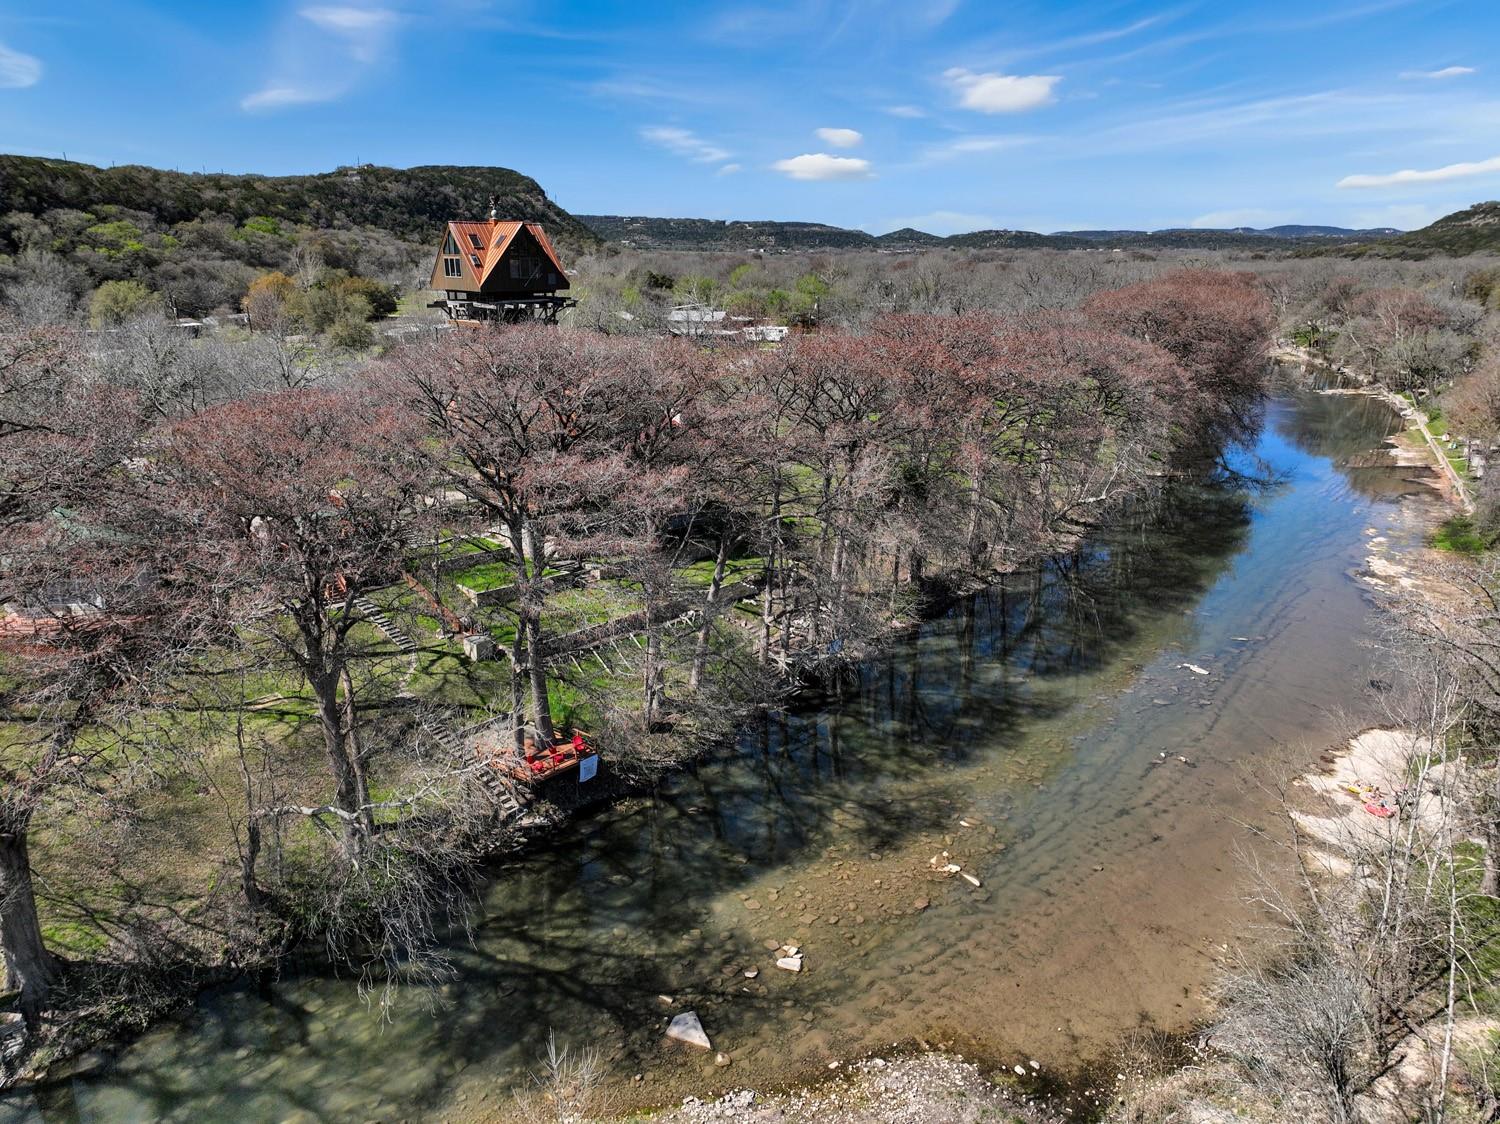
(1001, 93)
(279, 97)
(349, 21)
(17, 70)
(730, 169)
(321, 65)
(840, 138)
(1431, 175)
(821, 166)
(684, 143)
(365, 30)
(910, 112)
(1446, 72)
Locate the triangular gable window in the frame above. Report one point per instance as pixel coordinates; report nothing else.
(450, 246)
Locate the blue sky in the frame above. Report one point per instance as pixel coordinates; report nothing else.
(946, 114)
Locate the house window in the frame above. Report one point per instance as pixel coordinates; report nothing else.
(475, 242)
(453, 267)
(450, 246)
(475, 259)
(522, 269)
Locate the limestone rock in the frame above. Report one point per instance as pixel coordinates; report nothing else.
(688, 1029)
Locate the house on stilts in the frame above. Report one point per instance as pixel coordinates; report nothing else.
(499, 271)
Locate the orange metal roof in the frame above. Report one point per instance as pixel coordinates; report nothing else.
(496, 237)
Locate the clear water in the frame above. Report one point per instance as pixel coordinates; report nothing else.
(1037, 713)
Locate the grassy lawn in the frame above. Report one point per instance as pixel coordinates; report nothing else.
(701, 574)
(1461, 536)
(171, 862)
(491, 575)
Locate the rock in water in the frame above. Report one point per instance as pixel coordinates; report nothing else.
(790, 963)
(687, 1028)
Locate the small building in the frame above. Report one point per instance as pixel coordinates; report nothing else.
(495, 270)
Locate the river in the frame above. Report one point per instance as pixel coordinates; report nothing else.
(1033, 733)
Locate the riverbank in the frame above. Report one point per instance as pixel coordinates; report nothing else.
(1075, 739)
(1418, 419)
(1394, 561)
(924, 1089)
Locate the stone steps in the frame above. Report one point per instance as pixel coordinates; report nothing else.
(383, 623)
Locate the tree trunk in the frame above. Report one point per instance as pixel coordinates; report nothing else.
(1489, 882)
(767, 615)
(347, 796)
(540, 705)
(29, 968)
(517, 654)
(248, 858)
(716, 583)
(356, 756)
(517, 693)
(975, 509)
(651, 674)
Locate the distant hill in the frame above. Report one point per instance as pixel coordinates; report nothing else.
(646, 233)
(1475, 230)
(411, 203)
(908, 238)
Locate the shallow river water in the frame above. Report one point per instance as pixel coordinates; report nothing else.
(1022, 733)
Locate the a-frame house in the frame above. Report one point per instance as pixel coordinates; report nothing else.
(494, 270)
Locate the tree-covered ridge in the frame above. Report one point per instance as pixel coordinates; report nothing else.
(199, 240)
(408, 202)
(1474, 230)
(646, 233)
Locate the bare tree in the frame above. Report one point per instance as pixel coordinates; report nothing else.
(288, 508)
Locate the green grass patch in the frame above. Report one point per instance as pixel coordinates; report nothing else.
(701, 574)
(1461, 536)
(492, 575)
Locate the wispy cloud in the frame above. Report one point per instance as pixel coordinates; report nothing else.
(1075, 42)
(280, 97)
(1445, 72)
(682, 142)
(910, 112)
(351, 21)
(822, 166)
(323, 53)
(365, 30)
(1431, 175)
(1329, 113)
(1001, 93)
(840, 138)
(730, 169)
(974, 145)
(18, 70)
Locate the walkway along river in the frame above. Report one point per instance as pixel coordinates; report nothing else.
(1023, 734)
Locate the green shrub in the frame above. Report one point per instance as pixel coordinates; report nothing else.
(115, 302)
